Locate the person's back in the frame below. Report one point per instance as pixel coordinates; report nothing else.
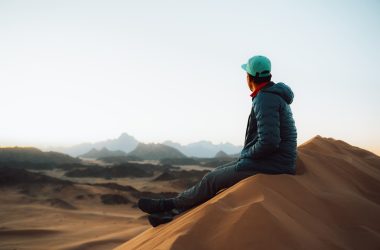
(271, 136)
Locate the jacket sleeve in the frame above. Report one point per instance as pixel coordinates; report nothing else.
(266, 110)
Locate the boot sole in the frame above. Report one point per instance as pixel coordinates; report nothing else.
(159, 218)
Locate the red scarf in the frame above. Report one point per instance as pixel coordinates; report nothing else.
(258, 88)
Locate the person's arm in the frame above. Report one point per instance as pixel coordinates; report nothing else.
(267, 115)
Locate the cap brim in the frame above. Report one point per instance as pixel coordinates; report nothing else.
(244, 66)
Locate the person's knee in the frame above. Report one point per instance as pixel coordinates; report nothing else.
(216, 179)
(207, 177)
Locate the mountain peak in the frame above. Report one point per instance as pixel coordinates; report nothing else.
(93, 150)
(221, 154)
(103, 152)
(125, 136)
(156, 151)
(104, 149)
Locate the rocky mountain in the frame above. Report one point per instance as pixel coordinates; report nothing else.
(222, 154)
(33, 155)
(126, 169)
(119, 159)
(156, 151)
(14, 176)
(104, 152)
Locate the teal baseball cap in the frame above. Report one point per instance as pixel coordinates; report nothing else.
(258, 66)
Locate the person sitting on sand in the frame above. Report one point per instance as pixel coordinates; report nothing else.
(270, 145)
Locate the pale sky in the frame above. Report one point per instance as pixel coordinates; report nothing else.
(83, 71)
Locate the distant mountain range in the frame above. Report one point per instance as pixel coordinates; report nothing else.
(205, 148)
(124, 143)
(151, 151)
(127, 143)
(104, 152)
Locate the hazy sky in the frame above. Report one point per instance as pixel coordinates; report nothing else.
(83, 71)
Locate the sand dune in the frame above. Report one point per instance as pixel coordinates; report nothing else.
(332, 203)
(37, 226)
(45, 212)
(38, 212)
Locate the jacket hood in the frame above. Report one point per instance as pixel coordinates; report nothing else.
(282, 90)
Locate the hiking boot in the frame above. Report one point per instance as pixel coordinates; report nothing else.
(156, 219)
(151, 206)
(160, 218)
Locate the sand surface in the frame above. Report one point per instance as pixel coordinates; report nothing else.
(44, 223)
(56, 214)
(332, 203)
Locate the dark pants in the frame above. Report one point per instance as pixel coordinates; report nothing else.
(221, 177)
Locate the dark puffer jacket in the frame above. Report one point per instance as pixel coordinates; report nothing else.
(271, 137)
